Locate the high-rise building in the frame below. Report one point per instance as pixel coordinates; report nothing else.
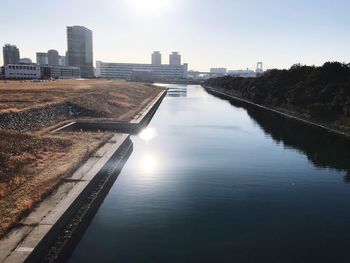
(156, 58)
(41, 58)
(80, 50)
(53, 57)
(11, 54)
(175, 59)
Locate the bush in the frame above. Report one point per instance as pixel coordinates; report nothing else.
(320, 111)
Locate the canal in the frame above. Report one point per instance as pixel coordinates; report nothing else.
(212, 181)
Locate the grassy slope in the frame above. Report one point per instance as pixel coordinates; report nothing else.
(107, 98)
(33, 166)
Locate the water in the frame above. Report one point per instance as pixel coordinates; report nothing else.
(209, 181)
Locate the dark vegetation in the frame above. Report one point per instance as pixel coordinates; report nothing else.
(322, 93)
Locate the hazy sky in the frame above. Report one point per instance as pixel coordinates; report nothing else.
(208, 33)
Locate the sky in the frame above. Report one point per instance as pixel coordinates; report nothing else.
(235, 34)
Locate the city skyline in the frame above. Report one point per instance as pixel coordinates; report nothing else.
(230, 34)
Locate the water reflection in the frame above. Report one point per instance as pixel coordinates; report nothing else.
(212, 187)
(149, 163)
(148, 134)
(177, 92)
(323, 149)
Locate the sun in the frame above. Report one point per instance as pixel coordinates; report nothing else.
(154, 7)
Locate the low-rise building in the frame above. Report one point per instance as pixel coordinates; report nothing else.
(126, 71)
(59, 72)
(22, 71)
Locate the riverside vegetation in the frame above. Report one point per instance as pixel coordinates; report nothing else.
(318, 93)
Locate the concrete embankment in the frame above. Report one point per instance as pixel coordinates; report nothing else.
(132, 127)
(323, 126)
(52, 229)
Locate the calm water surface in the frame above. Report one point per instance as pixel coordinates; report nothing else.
(209, 181)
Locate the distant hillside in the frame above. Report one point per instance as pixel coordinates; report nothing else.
(319, 93)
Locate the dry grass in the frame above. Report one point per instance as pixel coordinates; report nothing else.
(32, 167)
(109, 98)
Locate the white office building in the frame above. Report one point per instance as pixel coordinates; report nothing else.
(127, 71)
(22, 71)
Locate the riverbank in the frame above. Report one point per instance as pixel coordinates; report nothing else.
(318, 94)
(37, 163)
(332, 128)
(28, 106)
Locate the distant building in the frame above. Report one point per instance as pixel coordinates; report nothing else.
(80, 50)
(128, 71)
(156, 58)
(41, 58)
(242, 73)
(59, 72)
(25, 61)
(175, 59)
(21, 71)
(11, 54)
(219, 71)
(62, 61)
(142, 76)
(53, 57)
(259, 69)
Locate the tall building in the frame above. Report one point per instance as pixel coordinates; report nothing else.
(11, 54)
(53, 57)
(80, 53)
(175, 59)
(156, 58)
(41, 58)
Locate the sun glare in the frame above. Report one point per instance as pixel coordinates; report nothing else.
(148, 134)
(154, 7)
(149, 163)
